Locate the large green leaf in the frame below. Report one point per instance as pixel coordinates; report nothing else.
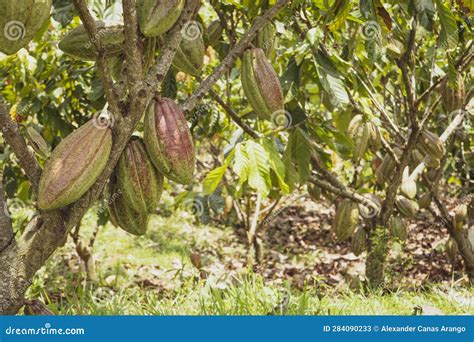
(449, 28)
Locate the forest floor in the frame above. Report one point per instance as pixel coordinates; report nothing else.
(180, 267)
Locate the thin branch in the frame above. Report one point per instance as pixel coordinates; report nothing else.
(102, 65)
(6, 229)
(230, 59)
(234, 116)
(25, 157)
(133, 51)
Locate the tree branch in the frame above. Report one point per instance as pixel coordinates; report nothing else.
(230, 59)
(102, 65)
(6, 229)
(133, 51)
(25, 157)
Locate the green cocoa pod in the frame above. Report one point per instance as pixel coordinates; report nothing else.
(451, 248)
(124, 216)
(74, 166)
(359, 241)
(168, 140)
(453, 94)
(20, 21)
(406, 207)
(140, 182)
(314, 192)
(425, 200)
(76, 42)
(398, 228)
(189, 57)
(460, 217)
(156, 17)
(375, 139)
(385, 170)
(37, 142)
(361, 142)
(432, 145)
(346, 219)
(355, 125)
(214, 33)
(261, 84)
(408, 186)
(266, 40)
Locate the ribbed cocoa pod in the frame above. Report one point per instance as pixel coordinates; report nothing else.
(453, 95)
(137, 178)
(123, 215)
(361, 142)
(432, 145)
(398, 228)
(346, 219)
(214, 33)
(425, 200)
(460, 217)
(408, 186)
(314, 192)
(386, 168)
(20, 21)
(168, 140)
(189, 57)
(156, 17)
(266, 40)
(76, 42)
(451, 248)
(406, 206)
(74, 166)
(37, 142)
(359, 241)
(261, 84)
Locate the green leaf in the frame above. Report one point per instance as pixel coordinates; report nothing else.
(259, 172)
(449, 28)
(276, 164)
(241, 164)
(213, 178)
(331, 79)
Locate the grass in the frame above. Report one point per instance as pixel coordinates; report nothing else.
(153, 275)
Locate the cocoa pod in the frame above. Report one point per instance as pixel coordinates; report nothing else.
(416, 157)
(451, 248)
(359, 241)
(460, 217)
(406, 207)
(37, 142)
(346, 219)
(74, 166)
(453, 94)
(189, 57)
(355, 125)
(375, 139)
(214, 33)
(361, 142)
(314, 192)
(137, 178)
(76, 42)
(408, 186)
(168, 140)
(432, 145)
(123, 215)
(425, 200)
(20, 21)
(266, 40)
(261, 85)
(385, 170)
(156, 17)
(397, 228)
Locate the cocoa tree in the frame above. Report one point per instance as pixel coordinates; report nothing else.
(351, 89)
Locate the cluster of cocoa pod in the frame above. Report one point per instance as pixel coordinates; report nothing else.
(137, 183)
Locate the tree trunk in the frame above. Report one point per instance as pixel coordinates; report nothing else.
(378, 250)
